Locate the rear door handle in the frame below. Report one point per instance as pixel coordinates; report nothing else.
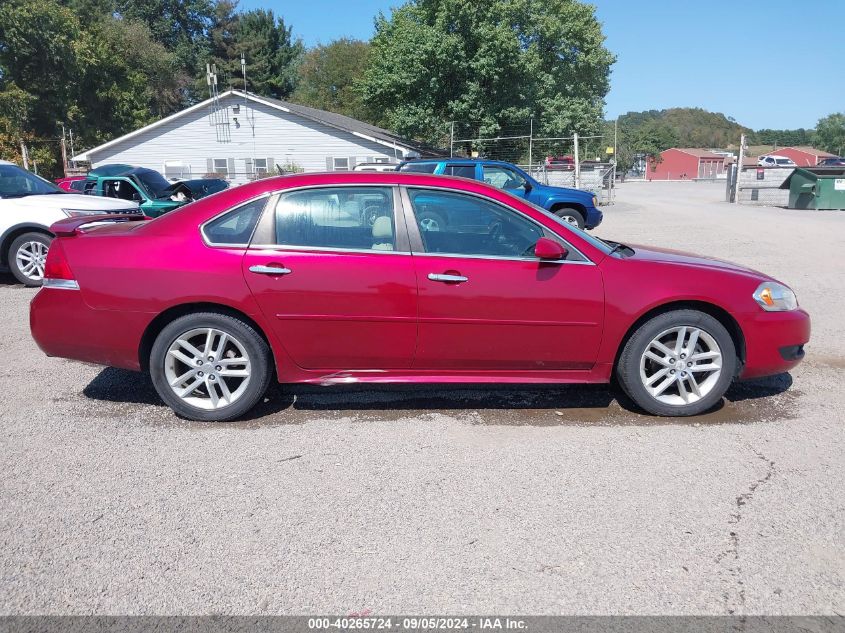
(447, 278)
(270, 270)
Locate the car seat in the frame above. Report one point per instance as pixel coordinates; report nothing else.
(383, 234)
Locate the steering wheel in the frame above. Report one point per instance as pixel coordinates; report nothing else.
(496, 230)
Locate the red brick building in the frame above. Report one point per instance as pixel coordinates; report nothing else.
(802, 156)
(686, 163)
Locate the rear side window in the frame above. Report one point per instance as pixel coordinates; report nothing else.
(464, 171)
(351, 218)
(421, 168)
(235, 227)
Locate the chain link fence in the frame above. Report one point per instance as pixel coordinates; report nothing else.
(577, 161)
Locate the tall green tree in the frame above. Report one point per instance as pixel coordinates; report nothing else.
(329, 76)
(489, 65)
(830, 133)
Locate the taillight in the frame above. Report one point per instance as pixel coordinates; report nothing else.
(57, 272)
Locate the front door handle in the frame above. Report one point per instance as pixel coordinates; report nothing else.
(270, 270)
(448, 279)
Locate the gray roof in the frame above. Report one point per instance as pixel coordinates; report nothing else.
(347, 124)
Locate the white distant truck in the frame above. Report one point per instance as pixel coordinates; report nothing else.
(29, 205)
(773, 160)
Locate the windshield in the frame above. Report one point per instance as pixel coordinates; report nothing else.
(17, 183)
(154, 183)
(594, 241)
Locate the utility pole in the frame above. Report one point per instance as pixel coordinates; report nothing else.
(24, 155)
(72, 153)
(577, 162)
(739, 159)
(530, 143)
(64, 151)
(451, 138)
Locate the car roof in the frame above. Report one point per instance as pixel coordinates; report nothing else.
(458, 159)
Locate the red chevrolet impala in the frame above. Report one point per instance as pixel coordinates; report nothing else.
(334, 278)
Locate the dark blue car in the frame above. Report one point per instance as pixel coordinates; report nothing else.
(573, 205)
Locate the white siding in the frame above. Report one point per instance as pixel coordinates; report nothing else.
(281, 136)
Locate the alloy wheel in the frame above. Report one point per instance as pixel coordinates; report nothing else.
(681, 365)
(207, 368)
(31, 257)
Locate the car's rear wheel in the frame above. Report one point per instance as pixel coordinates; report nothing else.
(679, 363)
(570, 216)
(27, 256)
(210, 367)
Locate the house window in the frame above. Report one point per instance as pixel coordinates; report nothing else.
(341, 164)
(176, 170)
(381, 159)
(261, 167)
(221, 166)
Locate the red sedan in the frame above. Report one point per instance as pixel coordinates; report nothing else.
(331, 278)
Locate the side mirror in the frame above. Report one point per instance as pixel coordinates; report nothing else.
(549, 249)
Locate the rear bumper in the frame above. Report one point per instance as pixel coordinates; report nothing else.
(774, 341)
(63, 325)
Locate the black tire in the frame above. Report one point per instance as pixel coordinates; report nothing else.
(12, 257)
(628, 367)
(576, 216)
(254, 346)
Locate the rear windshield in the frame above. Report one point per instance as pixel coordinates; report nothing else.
(422, 168)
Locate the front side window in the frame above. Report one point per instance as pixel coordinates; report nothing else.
(236, 226)
(122, 190)
(459, 224)
(503, 177)
(355, 218)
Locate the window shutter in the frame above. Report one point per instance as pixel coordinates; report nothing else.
(231, 164)
(271, 166)
(351, 162)
(248, 167)
(329, 163)
(209, 166)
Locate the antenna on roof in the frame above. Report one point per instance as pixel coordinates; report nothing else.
(218, 117)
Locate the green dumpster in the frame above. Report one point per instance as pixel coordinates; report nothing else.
(816, 188)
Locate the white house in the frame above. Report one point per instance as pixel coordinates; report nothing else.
(241, 135)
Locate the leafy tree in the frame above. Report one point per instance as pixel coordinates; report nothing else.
(272, 54)
(782, 138)
(489, 65)
(328, 78)
(830, 134)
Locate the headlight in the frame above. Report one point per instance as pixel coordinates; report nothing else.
(595, 201)
(72, 213)
(775, 297)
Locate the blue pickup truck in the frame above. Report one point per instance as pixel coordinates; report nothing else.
(573, 205)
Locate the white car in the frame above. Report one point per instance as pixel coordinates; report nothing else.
(29, 205)
(772, 160)
(375, 167)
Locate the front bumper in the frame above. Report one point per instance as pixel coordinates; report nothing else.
(592, 218)
(774, 341)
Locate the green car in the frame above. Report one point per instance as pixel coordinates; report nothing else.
(153, 193)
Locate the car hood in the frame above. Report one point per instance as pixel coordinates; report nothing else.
(73, 201)
(570, 194)
(668, 256)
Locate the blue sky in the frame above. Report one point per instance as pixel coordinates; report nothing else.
(768, 64)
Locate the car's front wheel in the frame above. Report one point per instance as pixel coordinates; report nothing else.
(570, 216)
(679, 363)
(27, 257)
(210, 367)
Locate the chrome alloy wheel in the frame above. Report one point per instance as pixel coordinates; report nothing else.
(570, 219)
(681, 365)
(207, 368)
(31, 258)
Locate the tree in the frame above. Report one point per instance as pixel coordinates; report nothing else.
(329, 76)
(830, 133)
(272, 54)
(489, 65)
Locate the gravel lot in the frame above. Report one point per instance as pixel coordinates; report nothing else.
(525, 501)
